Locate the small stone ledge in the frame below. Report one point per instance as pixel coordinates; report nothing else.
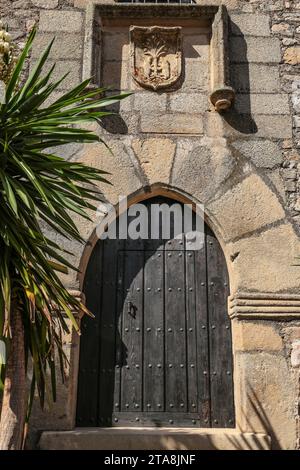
(250, 306)
(124, 438)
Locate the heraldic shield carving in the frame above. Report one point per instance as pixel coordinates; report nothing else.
(155, 55)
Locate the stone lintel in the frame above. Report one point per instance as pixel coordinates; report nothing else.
(264, 306)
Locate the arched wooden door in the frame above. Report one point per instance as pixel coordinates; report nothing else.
(158, 352)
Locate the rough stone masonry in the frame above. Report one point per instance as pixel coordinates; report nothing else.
(278, 29)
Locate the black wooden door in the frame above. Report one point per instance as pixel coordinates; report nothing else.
(158, 352)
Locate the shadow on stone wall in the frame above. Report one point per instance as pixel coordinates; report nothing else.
(240, 80)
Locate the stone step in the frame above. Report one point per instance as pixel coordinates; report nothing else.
(125, 438)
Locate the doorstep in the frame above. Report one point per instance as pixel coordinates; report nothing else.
(126, 438)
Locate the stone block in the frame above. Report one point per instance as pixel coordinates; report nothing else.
(258, 336)
(66, 46)
(150, 102)
(249, 24)
(262, 104)
(61, 68)
(246, 208)
(289, 173)
(200, 168)
(266, 261)
(255, 78)
(115, 75)
(292, 55)
(115, 46)
(263, 153)
(119, 162)
(127, 438)
(276, 180)
(189, 103)
(265, 50)
(196, 46)
(172, 123)
(267, 397)
(276, 127)
(295, 354)
(292, 333)
(156, 158)
(48, 4)
(283, 29)
(61, 20)
(196, 76)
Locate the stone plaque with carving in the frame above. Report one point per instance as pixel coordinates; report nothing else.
(155, 55)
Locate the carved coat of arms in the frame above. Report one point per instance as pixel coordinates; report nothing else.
(155, 55)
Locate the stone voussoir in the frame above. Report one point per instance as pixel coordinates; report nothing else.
(247, 199)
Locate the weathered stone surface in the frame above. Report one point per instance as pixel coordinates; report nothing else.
(149, 102)
(115, 46)
(66, 151)
(265, 261)
(250, 336)
(292, 55)
(262, 104)
(119, 163)
(153, 438)
(189, 103)
(250, 24)
(172, 123)
(292, 333)
(277, 127)
(257, 78)
(253, 50)
(197, 46)
(276, 183)
(115, 75)
(45, 3)
(61, 20)
(295, 354)
(196, 76)
(266, 397)
(66, 46)
(263, 153)
(61, 68)
(200, 168)
(284, 29)
(156, 157)
(246, 207)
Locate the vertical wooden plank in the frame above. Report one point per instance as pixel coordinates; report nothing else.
(202, 343)
(154, 331)
(221, 367)
(132, 332)
(107, 333)
(175, 328)
(120, 355)
(87, 398)
(191, 333)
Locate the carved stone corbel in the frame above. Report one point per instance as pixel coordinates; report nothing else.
(222, 94)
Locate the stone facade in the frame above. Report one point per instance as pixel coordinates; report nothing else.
(243, 164)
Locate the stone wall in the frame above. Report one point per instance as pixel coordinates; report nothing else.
(279, 33)
(243, 165)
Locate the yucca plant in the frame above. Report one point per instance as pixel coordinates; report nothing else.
(38, 186)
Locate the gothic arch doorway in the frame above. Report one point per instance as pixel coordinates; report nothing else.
(158, 352)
